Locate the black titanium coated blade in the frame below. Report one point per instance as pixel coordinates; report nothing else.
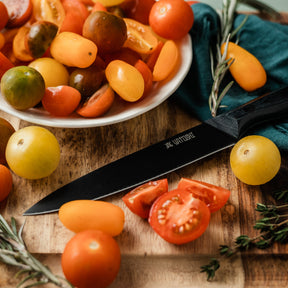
(144, 165)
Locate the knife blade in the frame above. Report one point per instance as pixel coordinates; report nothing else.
(168, 155)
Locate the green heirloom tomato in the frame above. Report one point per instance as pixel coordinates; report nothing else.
(33, 152)
(255, 160)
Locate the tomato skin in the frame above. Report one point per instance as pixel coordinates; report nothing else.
(99, 103)
(80, 215)
(140, 199)
(91, 259)
(178, 217)
(61, 100)
(171, 19)
(143, 68)
(6, 130)
(255, 160)
(5, 64)
(4, 15)
(213, 196)
(6, 182)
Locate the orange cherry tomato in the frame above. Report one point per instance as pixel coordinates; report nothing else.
(4, 15)
(98, 7)
(171, 19)
(167, 61)
(246, 69)
(91, 259)
(143, 68)
(61, 100)
(75, 15)
(178, 217)
(140, 199)
(99, 103)
(19, 12)
(214, 196)
(5, 64)
(6, 182)
(125, 80)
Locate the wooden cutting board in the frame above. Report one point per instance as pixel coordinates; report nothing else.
(147, 260)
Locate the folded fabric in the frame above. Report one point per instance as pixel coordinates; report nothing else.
(266, 40)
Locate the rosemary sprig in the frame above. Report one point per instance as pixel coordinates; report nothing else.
(272, 227)
(13, 252)
(219, 64)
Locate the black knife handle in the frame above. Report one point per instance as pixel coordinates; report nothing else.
(262, 109)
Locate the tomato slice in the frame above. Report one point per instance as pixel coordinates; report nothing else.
(99, 103)
(214, 196)
(140, 199)
(178, 217)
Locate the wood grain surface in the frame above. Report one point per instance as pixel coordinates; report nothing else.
(147, 260)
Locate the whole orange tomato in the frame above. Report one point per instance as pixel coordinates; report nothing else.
(171, 19)
(91, 259)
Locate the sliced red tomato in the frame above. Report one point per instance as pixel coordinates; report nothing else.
(140, 199)
(214, 196)
(99, 103)
(178, 217)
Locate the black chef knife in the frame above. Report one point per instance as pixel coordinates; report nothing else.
(161, 158)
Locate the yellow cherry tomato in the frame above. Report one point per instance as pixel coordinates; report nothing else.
(255, 160)
(53, 72)
(73, 50)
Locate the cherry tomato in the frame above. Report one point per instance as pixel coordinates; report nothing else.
(255, 160)
(6, 130)
(5, 64)
(125, 80)
(171, 19)
(152, 58)
(80, 215)
(61, 100)
(192, 2)
(53, 72)
(99, 103)
(19, 12)
(140, 199)
(108, 3)
(4, 15)
(138, 9)
(147, 76)
(6, 182)
(213, 196)
(33, 152)
(178, 217)
(91, 259)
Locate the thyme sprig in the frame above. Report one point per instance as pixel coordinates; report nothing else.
(219, 64)
(272, 227)
(13, 252)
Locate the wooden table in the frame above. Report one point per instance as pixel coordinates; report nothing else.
(147, 260)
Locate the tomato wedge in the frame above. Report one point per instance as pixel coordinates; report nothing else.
(99, 103)
(178, 217)
(214, 196)
(140, 199)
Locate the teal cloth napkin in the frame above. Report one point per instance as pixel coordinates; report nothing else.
(266, 40)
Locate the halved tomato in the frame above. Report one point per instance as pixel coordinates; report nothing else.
(214, 196)
(99, 103)
(178, 217)
(140, 199)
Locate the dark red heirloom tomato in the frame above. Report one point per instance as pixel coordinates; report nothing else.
(178, 217)
(140, 199)
(214, 196)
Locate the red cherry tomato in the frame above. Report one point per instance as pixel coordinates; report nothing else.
(99, 103)
(61, 100)
(140, 199)
(178, 217)
(143, 68)
(91, 259)
(215, 197)
(171, 19)
(192, 2)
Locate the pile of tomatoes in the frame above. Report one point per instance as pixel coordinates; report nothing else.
(88, 52)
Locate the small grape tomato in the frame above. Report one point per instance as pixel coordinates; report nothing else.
(61, 100)
(140, 199)
(178, 217)
(214, 196)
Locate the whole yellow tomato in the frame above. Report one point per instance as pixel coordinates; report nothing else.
(33, 152)
(255, 160)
